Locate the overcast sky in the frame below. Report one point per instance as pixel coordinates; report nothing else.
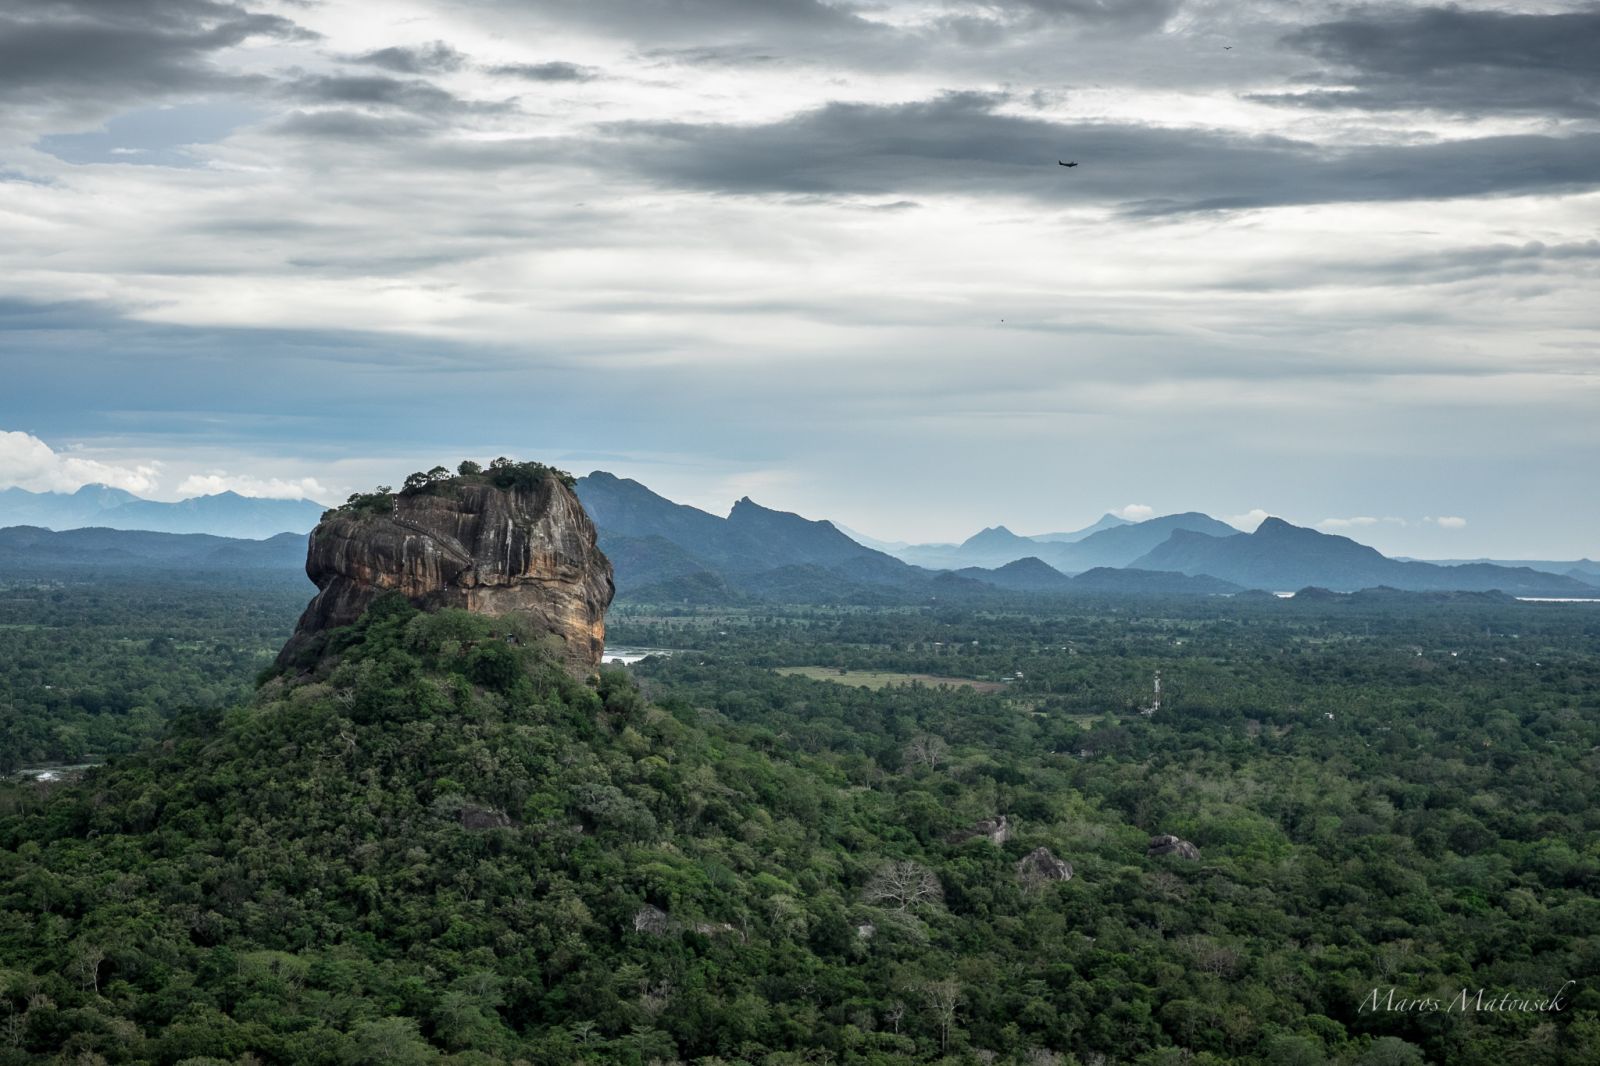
(1334, 263)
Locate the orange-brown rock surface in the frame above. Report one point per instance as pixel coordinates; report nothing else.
(527, 551)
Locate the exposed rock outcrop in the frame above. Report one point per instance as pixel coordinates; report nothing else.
(475, 817)
(653, 921)
(1040, 866)
(1166, 844)
(527, 550)
(996, 830)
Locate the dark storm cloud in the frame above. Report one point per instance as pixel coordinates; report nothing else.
(712, 56)
(733, 33)
(423, 59)
(375, 90)
(553, 71)
(77, 49)
(959, 143)
(1138, 16)
(678, 18)
(413, 95)
(1448, 267)
(1453, 59)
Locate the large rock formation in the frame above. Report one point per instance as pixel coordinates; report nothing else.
(527, 550)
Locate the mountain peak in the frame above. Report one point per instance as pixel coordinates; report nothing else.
(746, 509)
(992, 537)
(225, 514)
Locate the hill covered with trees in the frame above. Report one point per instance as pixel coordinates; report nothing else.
(441, 846)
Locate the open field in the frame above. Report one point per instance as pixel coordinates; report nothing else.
(876, 679)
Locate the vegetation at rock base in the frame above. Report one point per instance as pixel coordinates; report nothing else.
(441, 847)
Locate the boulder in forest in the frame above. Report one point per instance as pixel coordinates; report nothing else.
(653, 921)
(996, 830)
(1167, 844)
(474, 817)
(1040, 866)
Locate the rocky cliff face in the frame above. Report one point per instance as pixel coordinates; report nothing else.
(527, 551)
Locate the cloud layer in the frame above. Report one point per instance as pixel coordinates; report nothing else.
(1338, 260)
(26, 462)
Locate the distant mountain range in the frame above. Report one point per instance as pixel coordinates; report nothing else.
(1280, 556)
(226, 514)
(1582, 569)
(30, 549)
(667, 551)
(1112, 541)
(664, 551)
(995, 546)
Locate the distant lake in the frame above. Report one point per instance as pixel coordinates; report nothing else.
(628, 656)
(1524, 599)
(52, 774)
(1559, 599)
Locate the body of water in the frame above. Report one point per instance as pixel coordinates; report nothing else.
(628, 656)
(1559, 599)
(53, 773)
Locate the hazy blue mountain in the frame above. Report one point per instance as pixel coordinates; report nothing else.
(653, 541)
(32, 549)
(226, 514)
(1582, 569)
(1121, 545)
(624, 507)
(1105, 543)
(1280, 556)
(1035, 575)
(60, 510)
(663, 551)
(1106, 521)
(936, 556)
(1024, 575)
(995, 546)
(637, 562)
(1150, 583)
(700, 588)
(797, 539)
(889, 546)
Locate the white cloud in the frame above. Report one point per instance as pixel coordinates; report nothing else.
(1249, 520)
(213, 482)
(1360, 521)
(1135, 512)
(29, 463)
(1448, 522)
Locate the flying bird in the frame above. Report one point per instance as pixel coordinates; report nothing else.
(1073, 164)
(1227, 48)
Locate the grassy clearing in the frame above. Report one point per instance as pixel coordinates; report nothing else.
(876, 679)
